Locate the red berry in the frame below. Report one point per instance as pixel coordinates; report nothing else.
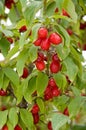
(82, 25)
(10, 39)
(49, 125)
(25, 73)
(17, 127)
(23, 29)
(36, 118)
(84, 47)
(51, 82)
(35, 109)
(64, 12)
(5, 127)
(45, 44)
(55, 57)
(70, 32)
(40, 65)
(3, 92)
(66, 112)
(55, 67)
(41, 55)
(37, 42)
(48, 93)
(42, 33)
(55, 92)
(55, 38)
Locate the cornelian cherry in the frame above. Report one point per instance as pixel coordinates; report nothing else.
(55, 67)
(35, 109)
(55, 38)
(49, 125)
(3, 92)
(5, 127)
(37, 42)
(45, 44)
(42, 33)
(25, 72)
(40, 65)
(23, 29)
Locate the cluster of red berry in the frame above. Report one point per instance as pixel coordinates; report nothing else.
(51, 90)
(35, 112)
(44, 42)
(8, 3)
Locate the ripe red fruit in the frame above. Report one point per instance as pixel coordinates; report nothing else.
(17, 127)
(5, 127)
(55, 67)
(49, 125)
(40, 65)
(56, 10)
(10, 39)
(51, 82)
(23, 29)
(25, 72)
(55, 38)
(66, 112)
(64, 12)
(55, 57)
(37, 42)
(3, 92)
(36, 118)
(84, 47)
(42, 33)
(48, 93)
(45, 44)
(35, 109)
(55, 92)
(83, 25)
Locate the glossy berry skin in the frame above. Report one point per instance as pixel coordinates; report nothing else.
(36, 118)
(55, 67)
(51, 82)
(55, 58)
(64, 12)
(25, 72)
(10, 39)
(37, 42)
(45, 44)
(42, 33)
(40, 65)
(17, 127)
(5, 127)
(55, 92)
(35, 109)
(23, 29)
(55, 38)
(49, 125)
(3, 92)
(66, 112)
(48, 93)
(84, 47)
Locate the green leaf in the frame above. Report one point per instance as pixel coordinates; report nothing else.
(10, 127)
(30, 11)
(12, 75)
(21, 59)
(3, 117)
(33, 53)
(75, 105)
(59, 4)
(4, 46)
(13, 51)
(68, 5)
(41, 82)
(60, 80)
(1, 8)
(41, 105)
(76, 91)
(13, 117)
(6, 82)
(51, 8)
(79, 127)
(71, 68)
(62, 51)
(20, 23)
(58, 120)
(27, 118)
(1, 79)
